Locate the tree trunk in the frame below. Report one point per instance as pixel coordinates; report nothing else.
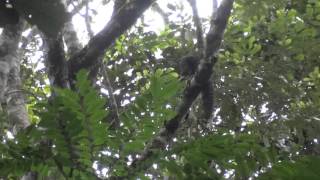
(10, 82)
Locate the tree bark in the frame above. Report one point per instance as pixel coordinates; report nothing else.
(10, 82)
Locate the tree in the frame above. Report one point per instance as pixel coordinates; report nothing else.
(117, 108)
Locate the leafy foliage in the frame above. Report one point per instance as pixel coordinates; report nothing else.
(69, 134)
(224, 152)
(266, 97)
(72, 133)
(303, 168)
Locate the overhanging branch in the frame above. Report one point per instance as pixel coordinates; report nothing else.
(120, 22)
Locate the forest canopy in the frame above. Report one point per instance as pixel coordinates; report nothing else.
(146, 89)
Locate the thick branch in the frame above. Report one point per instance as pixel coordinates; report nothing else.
(200, 79)
(218, 25)
(56, 63)
(214, 9)
(120, 22)
(118, 4)
(207, 102)
(55, 60)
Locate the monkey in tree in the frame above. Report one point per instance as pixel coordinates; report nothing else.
(187, 67)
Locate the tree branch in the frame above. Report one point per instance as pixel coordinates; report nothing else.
(77, 8)
(55, 61)
(214, 8)
(120, 22)
(218, 25)
(118, 4)
(114, 111)
(198, 24)
(163, 14)
(191, 92)
(87, 21)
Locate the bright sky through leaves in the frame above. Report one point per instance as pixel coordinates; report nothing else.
(153, 19)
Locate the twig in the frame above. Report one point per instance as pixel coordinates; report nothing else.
(164, 15)
(60, 168)
(24, 91)
(77, 8)
(106, 79)
(198, 24)
(87, 20)
(114, 106)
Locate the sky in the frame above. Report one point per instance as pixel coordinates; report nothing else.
(153, 19)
